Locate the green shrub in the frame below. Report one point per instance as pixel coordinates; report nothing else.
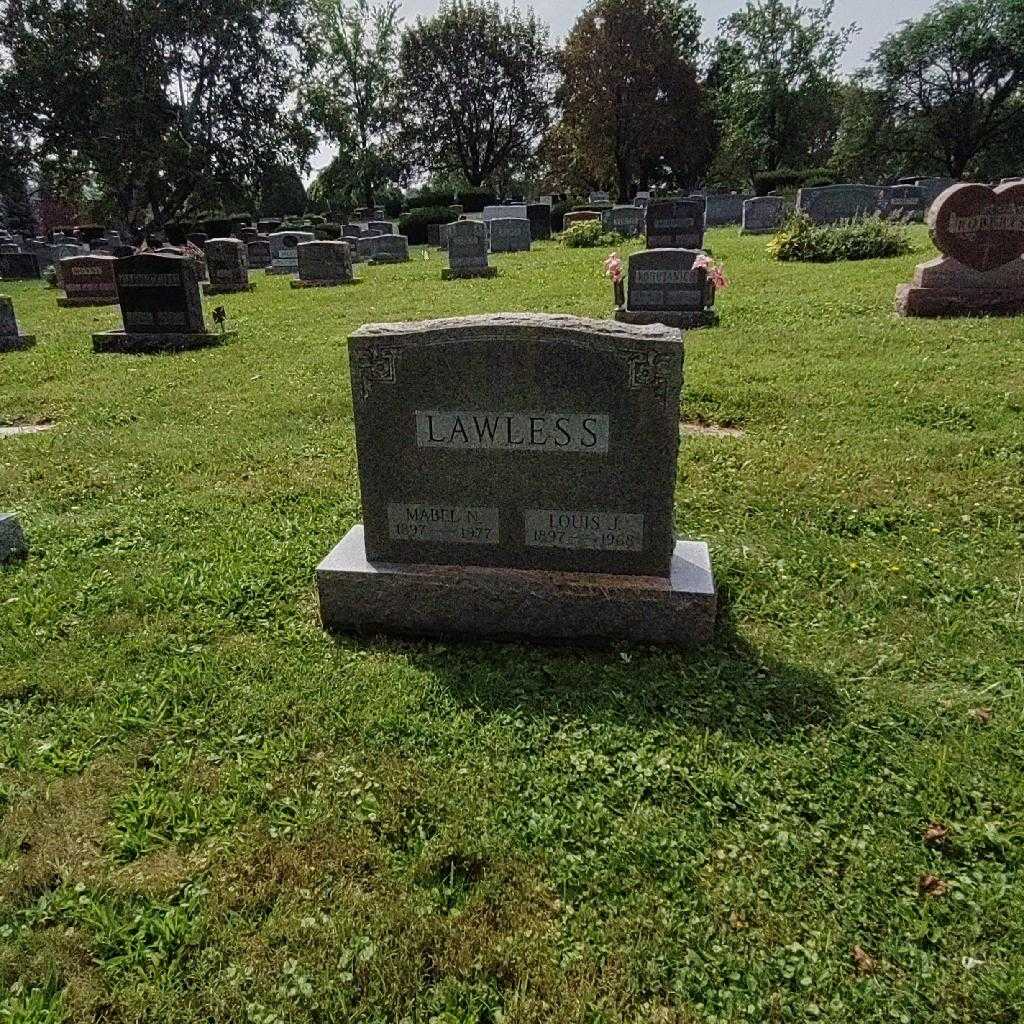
(414, 224)
(864, 238)
(589, 234)
(327, 232)
(558, 212)
(392, 200)
(473, 200)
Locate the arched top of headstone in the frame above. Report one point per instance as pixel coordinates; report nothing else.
(980, 226)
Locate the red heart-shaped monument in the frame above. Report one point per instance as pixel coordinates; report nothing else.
(980, 226)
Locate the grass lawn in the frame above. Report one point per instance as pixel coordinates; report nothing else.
(212, 811)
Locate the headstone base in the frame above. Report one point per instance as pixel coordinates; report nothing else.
(122, 343)
(16, 342)
(66, 303)
(690, 319)
(210, 289)
(578, 609)
(386, 259)
(448, 274)
(761, 231)
(282, 271)
(324, 284)
(12, 538)
(948, 302)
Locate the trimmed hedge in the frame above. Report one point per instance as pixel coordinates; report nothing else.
(473, 200)
(428, 199)
(864, 238)
(414, 224)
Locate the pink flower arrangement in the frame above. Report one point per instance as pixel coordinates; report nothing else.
(613, 268)
(716, 271)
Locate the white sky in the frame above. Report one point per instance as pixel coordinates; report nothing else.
(877, 18)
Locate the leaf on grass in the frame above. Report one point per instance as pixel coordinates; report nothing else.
(935, 834)
(982, 715)
(929, 885)
(863, 961)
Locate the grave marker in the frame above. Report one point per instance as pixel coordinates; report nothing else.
(539, 216)
(625, 220)
(87, 281)
(227, 261)
(831, 204)
(518, 474)
(12, 539)
(662, 287)
(510, 234)
(390, 249)
(11, 338)
(676, 223)
(764, 215)
(19, 266)
(468, 246)
(161, 307)
(324, 264)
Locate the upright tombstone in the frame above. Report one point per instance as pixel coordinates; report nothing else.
(904, 202)
(625, 220)
(12, 538)
(468, 244)
(724, 208)
(259, 254)
(579, 217)
(366, 247)
(161, 307)
(390, 249)
(227, 261)
(324, 264)
(676, 223)
(832, 204)
(642, 199)
(247, 234)
(599, 200)
(11, 338)
(980, 232)
(352, 231)
(19, 266)
(764, 215)
(381, 227)
(663, 287)
(539, 216)
(518, 474)
(284, 246)
(513, 210)
(933, 188)
(87, 281)
(509, 234)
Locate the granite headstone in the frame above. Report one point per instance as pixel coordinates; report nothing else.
(87, 281)
(676, 223)
(468, 245)
(11, 338)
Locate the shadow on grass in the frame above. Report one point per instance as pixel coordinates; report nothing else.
(730, 687)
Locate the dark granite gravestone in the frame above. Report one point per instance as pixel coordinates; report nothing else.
(259, 255)
(199, 239)
(87, 281)
(676, 223)
(161, 307)
(518, 474)
(390, 249)
(19, 266)
(12, 538)
(662, 287)
(11, 339)
(723, 208)
(8, 248)
(764, 215)
(468, 245)
(268, 227)
(227, 261)
(904, 202)
(539, 216)
(933, 188)
(625, 220)
(509, 234)
(515, 211)
(324, 264)
(579, 217)
(381, 227)
(599, 200)
(352, 231)
(980, 231)
(834, 203)
(247, 234)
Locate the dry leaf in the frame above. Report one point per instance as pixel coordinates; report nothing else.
(935, 834)
(864, 962)
(982, 715)
(929, 885)
(738, 921)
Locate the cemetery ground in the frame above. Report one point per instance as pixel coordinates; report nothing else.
(211, 810)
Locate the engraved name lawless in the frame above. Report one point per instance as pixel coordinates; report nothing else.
(513, 431)
(444, 524)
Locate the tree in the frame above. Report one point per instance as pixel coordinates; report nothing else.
(281, 192)
(160, 102)
(352, 92)
(477, 87)
(633, 111)
(952, 86)
(775, 70)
